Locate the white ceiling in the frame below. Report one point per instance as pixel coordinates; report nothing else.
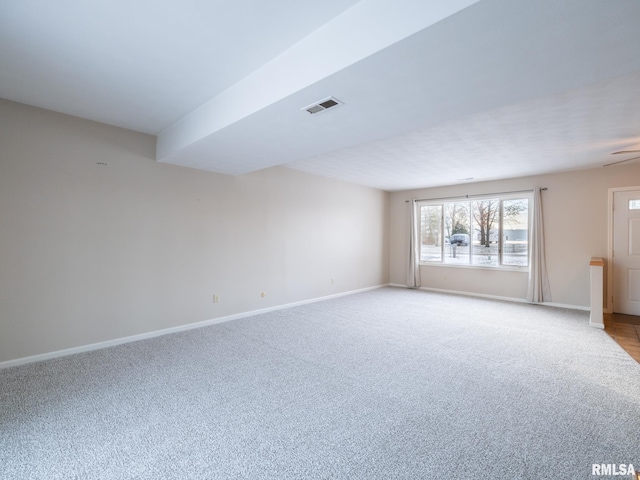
(434, 92)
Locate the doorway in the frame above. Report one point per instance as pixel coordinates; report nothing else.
(626, 251)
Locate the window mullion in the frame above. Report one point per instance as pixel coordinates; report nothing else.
(442, 252)
(471, 225)
(500, 233)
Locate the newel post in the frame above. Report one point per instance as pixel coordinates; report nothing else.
(596, 270)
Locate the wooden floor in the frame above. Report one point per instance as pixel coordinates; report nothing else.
(624, 329)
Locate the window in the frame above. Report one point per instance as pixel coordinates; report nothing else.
(491, 231)
(431, 232)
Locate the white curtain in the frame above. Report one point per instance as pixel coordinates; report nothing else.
(538, 290)
(413, 270)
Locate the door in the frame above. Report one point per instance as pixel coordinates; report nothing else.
(626, 252)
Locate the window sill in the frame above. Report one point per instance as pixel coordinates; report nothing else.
(476, 267)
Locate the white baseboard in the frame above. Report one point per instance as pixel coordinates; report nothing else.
(181, 328)
(564, 305)
(495, 297)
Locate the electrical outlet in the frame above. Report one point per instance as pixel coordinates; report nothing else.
(216, 298)
(332, 281)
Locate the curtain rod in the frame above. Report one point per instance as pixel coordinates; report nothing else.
(474, 196)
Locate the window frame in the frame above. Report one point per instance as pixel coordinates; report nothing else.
(501, 197)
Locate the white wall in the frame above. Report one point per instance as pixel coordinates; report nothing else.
(91, 253)
(575, 210)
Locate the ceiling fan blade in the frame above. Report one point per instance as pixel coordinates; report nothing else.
(621, 161)
(626, 151)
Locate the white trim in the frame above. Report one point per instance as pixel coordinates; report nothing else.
(497, 297)
(565, 305)
(609, 300)
(181, 328)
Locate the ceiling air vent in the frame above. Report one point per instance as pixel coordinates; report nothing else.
(322, 105)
